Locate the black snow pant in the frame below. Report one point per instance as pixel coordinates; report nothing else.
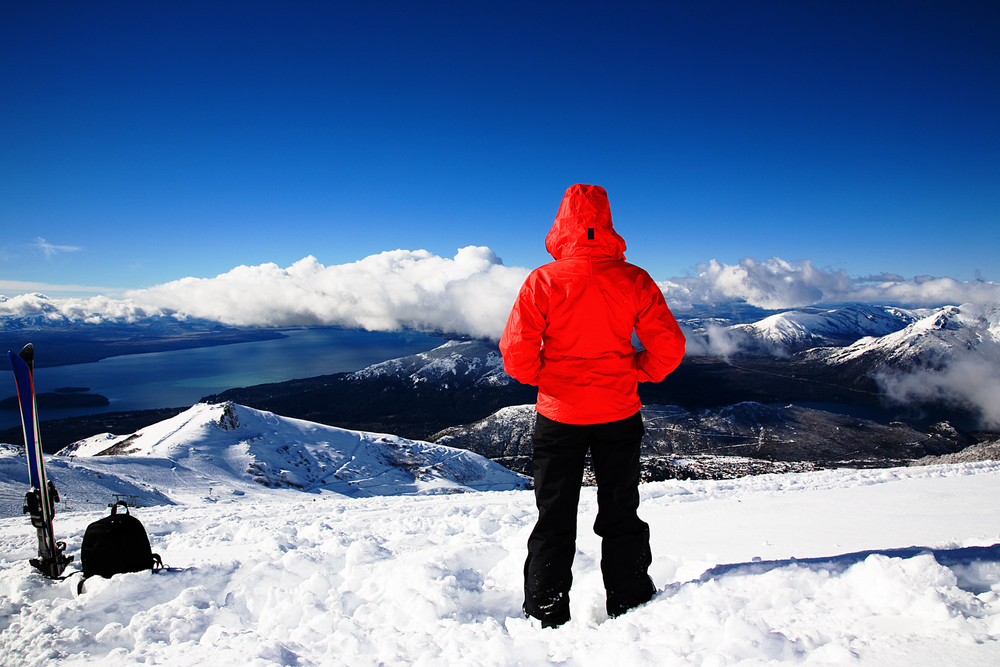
(559, 459)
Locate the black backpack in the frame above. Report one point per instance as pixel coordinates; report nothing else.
(115, 544)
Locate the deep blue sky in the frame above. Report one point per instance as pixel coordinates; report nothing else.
(148, 141)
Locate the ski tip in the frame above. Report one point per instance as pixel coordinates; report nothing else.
(27, 353)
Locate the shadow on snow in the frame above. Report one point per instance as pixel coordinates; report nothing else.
(966, 563)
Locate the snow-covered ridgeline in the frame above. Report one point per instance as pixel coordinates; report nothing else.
(798, 329)
(328, 580)
(949, 357)
(932, 341)
(465, 363)
(224, 452)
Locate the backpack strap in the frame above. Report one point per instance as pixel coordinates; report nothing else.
(158, 564)
(114, 507)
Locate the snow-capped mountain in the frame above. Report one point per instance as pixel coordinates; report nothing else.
(949, 358)
(462, 382)
(796, 330)
(229, 450)
(473, 363)
(930, 342)
(505, 433)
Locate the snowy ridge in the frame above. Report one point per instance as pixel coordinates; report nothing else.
(458, 363)
(507, 432)
(224, 452)
(931, 341)
(801, 329)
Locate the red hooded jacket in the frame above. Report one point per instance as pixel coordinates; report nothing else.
(570, 331)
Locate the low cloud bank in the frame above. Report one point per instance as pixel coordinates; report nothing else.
(777, 284)
(965, 382)
(39, 309)
(469, 294)
(720, 341)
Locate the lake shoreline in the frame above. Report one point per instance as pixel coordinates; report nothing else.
(83, 345)
(151, 380)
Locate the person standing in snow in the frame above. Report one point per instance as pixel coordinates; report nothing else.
(570, 333)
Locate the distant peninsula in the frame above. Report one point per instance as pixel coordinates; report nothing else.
(54, 401)
(82, 343)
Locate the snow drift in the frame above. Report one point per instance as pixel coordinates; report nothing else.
(436, 580)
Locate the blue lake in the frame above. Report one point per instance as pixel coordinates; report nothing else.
(180, 378)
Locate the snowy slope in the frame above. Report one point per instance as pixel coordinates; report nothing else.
(436, 580)
(506, 432)
(221, 452)
(457, 363)
(800, 329)
(930, 342)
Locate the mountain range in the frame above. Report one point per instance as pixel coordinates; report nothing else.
(774, 398)
(932, 342)
(797, 330)
(740, 406)
(732, 441)
(419, 395)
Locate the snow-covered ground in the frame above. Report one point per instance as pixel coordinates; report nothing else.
(296, 578)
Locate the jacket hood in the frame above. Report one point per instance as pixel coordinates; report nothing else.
(583, 226)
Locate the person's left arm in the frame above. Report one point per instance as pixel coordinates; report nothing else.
(521, 342)
(659, 333)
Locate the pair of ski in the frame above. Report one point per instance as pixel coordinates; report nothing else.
(40, 502)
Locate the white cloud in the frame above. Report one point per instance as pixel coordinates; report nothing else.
(777, 284)
(469, 294)
(965, 382)
(724, 342)
(51, 250)
(94, 310)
